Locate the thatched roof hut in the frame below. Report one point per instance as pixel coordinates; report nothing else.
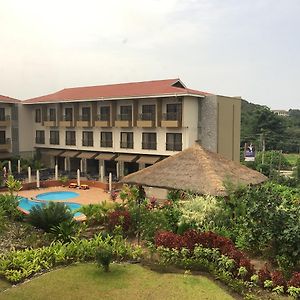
(195, 169)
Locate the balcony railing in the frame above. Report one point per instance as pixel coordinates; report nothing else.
(102, 117)
(84, 118)
(39, 140)
(174, 146)
(5, 141)
(172, 116)
(70, 142)
(107, 144)
(149, 145)
(4, 118)
(67, 118)
(127, 145)
(54, 141)
(88, 143)
(147, 117)
(124, 117)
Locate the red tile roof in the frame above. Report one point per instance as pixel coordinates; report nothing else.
(5, 99)
(116, 91)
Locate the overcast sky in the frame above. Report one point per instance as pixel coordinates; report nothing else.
(248, 48)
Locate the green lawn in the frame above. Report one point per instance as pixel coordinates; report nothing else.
(3, 285)
(86, 281)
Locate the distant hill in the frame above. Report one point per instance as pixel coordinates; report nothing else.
(258, 122)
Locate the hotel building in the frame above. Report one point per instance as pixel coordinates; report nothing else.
(121, 128)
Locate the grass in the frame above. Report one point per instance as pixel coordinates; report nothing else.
(86, 281)
(292, 158)
(3, 285)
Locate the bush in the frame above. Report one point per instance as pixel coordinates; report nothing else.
(119, 218)
(19, 265)
(278, 279)
(264, 274)
(9, 204)
(66, 231)
(104, 257)
(295, 280)
(49, 215)
(200, 212)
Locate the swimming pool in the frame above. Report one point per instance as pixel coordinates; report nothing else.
(54, 196)
(26, 205)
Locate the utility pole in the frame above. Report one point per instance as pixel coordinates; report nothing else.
(279, 166)
(263, 148)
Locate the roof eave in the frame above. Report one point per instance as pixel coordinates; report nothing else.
(114, 98)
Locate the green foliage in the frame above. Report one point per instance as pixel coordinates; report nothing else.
(280, 133)
(199, 212)
(104, 256)
(49, 215)
(65, 231)
(8, 205)
(294, 292)
(13, 185)
(63, 179)
(265, 220)
(97, 213)
(3, 220)
(16, 266)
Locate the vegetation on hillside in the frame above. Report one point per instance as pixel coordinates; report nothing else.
(259, 123)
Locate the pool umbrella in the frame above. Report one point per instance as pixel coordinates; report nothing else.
(56, 172)
(29, 174)
(78, 177)
(197, 170)
(37, 178)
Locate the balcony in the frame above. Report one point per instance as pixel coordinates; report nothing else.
(84, 121)
(66, 121)
(5, 144)
(106, 144)
(126, 145)
(49, 123)
(88, 143)
(173, 146)
(146, 120)
(54, 141)
(103, 121)
(149, 145)
(70, 142)
(5, 121)
(124, 120)
(171, 120)
(39, 140)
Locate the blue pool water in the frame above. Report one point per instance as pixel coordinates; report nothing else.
(53, 196)
(27, 204)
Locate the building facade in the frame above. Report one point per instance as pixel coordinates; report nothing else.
(125, 127)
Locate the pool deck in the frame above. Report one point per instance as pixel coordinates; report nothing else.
(90, 196)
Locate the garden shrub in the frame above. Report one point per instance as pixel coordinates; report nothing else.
(119, 218)
(9, 204)
(49, 215)
(16, 266)
(104, 256)
(65, 231)
(278, 279)
(264, 274)
(200, 212)
(295, 280)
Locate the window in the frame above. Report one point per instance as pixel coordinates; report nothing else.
(86, 114)
(40, 137)
(174, 141)
(52, 114)
(2, 114)
(173, 111)
(126, 140)
(149, 140)
(2, 137)
(38, 115)
(70, 138)
(54, 137)
(104, 113)
(148, 112)
(106, 139)
(87, 138)
(125, 113)
(68, 114)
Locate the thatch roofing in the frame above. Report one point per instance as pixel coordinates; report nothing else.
(195, 169)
